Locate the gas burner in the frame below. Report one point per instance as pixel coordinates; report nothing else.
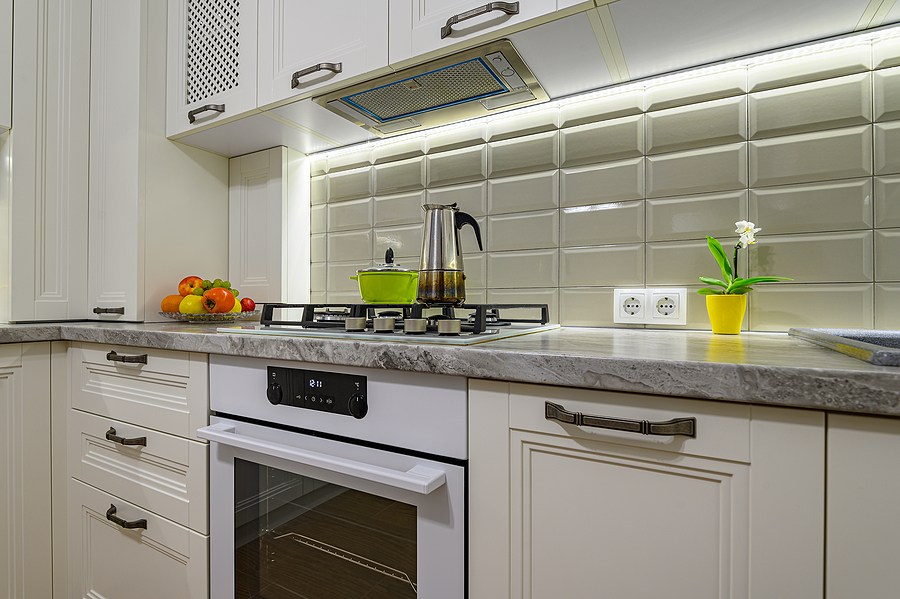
(491, 316)
(332, 316)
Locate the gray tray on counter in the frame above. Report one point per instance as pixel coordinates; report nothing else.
(879, 347)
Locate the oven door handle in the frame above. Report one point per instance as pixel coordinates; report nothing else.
(418, 479)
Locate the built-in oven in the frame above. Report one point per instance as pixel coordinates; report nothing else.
(332, 482)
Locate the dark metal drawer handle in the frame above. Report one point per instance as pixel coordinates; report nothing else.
(99, 310)
(510, 8)
(111, 516)
(334, 67)
(114, 357)
(111, 436)
(213, 107)
(679, 426)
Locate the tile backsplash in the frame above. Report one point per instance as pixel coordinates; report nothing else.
(620, 190)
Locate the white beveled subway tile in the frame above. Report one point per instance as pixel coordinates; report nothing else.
(318, 190)
(810, 208)
(828, 104)
(602, 224)
(607, 107)
(318, 247)
(469, 197)
(343, 297)
(604, 266)
(455, 138)
(523, 193)
(350, 160)
(406, 241)
(886, 53)
(706, 170)
(809, 157)
(588, 307)
(400, 209)
(785, 305)
(318, 166)
(602, 183)
(403, 175)
(317, 279)
(697, 125)
(682, 263)
(529, 154)
(398, 150)
(339, 274)
(475, 267)
(887, 201)
(697, 89)
(528, 296)
(887, 252)
(348, 185)
(813, 67)
(815, 257)
(318, 297)
(887, 148)
(523, 230)
(602, 142)
(887, 298)
(887, 94)
(694, 217)
(355, 214)
(351, 245)
(318, 221)
(517, 270)
(456, 166)
(520, 125)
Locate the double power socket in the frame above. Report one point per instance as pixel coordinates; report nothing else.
(651, 306)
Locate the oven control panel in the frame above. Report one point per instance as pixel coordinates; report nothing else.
(324, 391)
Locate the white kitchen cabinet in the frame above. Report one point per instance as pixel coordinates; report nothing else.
(416, 25)
(6, 32)
(577, 512)
(212, 63)
(863, 524)
(25, 523)
(158, 210)
(269, 226)
(306, 46)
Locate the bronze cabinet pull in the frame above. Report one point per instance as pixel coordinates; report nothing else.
(679, 426)
(99, 310)
(139, 359)
(213, 107)
(334, 67)
(111, 516)
(510, 8)
(111, 436)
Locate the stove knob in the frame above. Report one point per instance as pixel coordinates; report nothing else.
(357, 405)
(274, 393)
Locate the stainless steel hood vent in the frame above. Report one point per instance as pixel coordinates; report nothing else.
(484, 80)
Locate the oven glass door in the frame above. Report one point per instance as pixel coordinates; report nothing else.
(299, 517)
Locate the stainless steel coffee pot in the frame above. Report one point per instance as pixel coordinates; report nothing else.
(441, 277)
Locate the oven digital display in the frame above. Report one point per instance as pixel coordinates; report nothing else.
(323, 391)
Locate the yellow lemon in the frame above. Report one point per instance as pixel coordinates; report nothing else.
(191, 304)
(237, 307)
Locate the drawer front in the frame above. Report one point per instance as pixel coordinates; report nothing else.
(167, 475)
(107, 560)
(169, 393)
(722, 429)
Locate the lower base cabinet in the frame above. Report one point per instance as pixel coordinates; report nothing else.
(557, 510)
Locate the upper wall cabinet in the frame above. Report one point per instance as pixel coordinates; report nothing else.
(305, 45)
(5, 64)
(212, 62)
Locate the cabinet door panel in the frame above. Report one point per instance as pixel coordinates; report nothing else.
(5, 64)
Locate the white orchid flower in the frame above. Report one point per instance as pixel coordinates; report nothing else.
(748, 231)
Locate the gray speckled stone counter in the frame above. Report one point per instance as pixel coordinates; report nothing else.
(769, 368)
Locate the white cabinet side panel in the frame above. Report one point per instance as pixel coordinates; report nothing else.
(5, 64)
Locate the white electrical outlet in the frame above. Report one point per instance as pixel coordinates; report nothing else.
(667, 306)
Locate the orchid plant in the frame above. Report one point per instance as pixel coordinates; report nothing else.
(733, 284)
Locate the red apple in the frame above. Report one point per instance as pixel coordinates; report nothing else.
(248, 305)
(188, 284)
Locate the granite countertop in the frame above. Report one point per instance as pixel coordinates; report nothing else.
(766, 368)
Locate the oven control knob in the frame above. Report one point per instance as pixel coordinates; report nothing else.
(357, 405)
(274, 393)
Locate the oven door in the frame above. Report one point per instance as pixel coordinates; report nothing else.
(295, 515)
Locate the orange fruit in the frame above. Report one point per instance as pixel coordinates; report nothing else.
(170, 303)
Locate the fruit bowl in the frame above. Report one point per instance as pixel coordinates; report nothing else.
(210, 317)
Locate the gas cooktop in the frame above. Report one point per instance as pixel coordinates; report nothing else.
(411, 323)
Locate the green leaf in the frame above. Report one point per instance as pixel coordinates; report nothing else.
(708, 291)
(721, 257)
(742, 290)
(710, 281)
(742, 283)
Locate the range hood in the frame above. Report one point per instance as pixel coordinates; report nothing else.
(485, 80)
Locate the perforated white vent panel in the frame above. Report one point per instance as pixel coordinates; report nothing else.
(213, 47)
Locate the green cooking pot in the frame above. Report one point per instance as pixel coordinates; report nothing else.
(388, 283)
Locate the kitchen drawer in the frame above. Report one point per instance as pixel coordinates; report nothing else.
(169, 393)
(167, 475)
(722, 429)
(106, 560)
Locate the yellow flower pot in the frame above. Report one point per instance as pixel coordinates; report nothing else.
(726, 313)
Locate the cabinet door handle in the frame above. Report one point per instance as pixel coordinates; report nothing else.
(111, 516)
(99, 310)
(111, 436)
(510, 8)
(213, 107)
(334, 67)
(679, 426)
(139, 359)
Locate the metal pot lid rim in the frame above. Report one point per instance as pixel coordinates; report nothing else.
(385, 268)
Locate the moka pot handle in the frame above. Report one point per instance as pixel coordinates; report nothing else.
(466, 219)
